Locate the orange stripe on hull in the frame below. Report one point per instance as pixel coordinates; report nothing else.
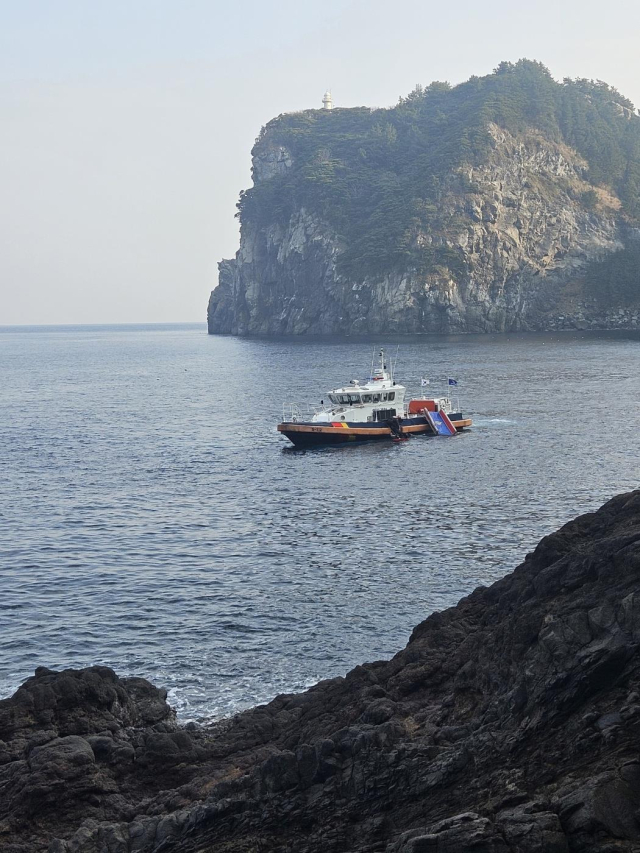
(371, 431)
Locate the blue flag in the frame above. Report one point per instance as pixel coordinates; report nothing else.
(453, 381)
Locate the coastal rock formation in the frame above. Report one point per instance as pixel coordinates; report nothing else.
(509, 723)
(445, 214)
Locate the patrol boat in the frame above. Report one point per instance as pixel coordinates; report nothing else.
(374, 409)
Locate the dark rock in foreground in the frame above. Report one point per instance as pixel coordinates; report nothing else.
(509, 723)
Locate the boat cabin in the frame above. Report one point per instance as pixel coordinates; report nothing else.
(377, 399)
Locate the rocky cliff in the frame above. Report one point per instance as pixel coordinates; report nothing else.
(510, 722)
(478, 209)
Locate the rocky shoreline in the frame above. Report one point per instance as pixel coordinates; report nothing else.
(510, 722)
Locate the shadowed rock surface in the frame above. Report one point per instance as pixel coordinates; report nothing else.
(509, 723)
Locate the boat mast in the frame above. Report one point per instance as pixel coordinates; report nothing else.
(395, 363)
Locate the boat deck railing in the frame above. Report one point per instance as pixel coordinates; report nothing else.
(449, 404)
(293, 412)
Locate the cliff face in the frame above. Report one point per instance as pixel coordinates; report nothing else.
(504, 242)
(509, 724)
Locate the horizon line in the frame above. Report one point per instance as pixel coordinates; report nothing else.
(98, 325)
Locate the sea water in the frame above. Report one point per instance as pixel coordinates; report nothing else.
(152, 519)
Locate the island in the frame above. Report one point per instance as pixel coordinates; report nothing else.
(510, 202)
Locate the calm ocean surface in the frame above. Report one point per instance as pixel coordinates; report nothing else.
(152, 519)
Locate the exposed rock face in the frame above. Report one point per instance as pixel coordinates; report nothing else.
(518, 222)
(68, 741)
(509, 723)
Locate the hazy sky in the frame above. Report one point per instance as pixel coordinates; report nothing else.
(126, 127)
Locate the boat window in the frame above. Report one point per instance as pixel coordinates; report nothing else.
(391, 395)
(376, 398)
(384, 398)
(354, 398)
(333, 398)
(366, 398)
(344, 398)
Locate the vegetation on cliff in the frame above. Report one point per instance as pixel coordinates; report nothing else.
(377, 175)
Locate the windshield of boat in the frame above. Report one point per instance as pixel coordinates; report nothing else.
(346, 399)
(359, 399)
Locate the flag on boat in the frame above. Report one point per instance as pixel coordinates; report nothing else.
(452, 381)
(424, 381)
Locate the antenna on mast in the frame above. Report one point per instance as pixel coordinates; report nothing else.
(395, 363)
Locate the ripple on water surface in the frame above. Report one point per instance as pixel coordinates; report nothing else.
(153, 520)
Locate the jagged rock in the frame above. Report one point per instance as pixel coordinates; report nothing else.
(79, 702)
(465, 832)
(66, 737)
(529, 828)
(509, 724)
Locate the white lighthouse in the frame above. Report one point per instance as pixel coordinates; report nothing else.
(327, 101)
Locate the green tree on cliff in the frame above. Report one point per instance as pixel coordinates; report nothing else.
(376, 175)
